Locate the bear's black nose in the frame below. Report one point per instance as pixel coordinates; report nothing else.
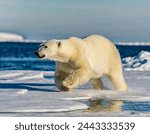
(37, 54)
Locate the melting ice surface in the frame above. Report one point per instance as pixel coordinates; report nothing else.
(25, 92)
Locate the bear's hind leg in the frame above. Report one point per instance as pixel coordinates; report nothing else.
(97, 83)
(118, 82)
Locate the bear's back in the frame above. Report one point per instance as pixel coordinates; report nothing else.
(99, 52)
(97, 40)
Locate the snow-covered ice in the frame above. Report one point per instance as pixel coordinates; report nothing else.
(138, 62)
(33, 93)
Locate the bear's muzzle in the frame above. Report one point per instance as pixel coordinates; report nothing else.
(38, 55)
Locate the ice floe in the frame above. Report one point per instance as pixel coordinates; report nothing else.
(138, 62)
(33, 93)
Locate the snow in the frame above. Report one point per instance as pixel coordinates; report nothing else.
(10, 37)
(140, 62)
(33, 93)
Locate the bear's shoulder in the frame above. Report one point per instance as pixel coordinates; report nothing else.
(76, 40)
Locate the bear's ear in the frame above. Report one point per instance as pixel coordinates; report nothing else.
(59, 44)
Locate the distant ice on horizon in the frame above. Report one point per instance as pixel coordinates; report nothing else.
(6, 36)
(133, 43)
(10, 37)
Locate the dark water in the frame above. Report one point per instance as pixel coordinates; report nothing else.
(137, 106)
(105, 105)
(20, 56)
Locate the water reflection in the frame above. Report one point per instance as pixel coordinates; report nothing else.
(102, 105)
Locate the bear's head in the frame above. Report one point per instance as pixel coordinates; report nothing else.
(54, 50)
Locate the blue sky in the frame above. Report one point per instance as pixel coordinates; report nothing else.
(119, 20)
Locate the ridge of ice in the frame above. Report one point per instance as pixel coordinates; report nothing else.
(23, 91)
(139, 62)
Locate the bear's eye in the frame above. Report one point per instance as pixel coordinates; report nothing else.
(45, 46)
(59, 44)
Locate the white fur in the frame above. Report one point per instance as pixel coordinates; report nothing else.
(80, 60)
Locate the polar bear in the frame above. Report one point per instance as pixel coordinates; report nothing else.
(81, 60)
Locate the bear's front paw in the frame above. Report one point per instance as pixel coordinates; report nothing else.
(63, 88)
(68, 82)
